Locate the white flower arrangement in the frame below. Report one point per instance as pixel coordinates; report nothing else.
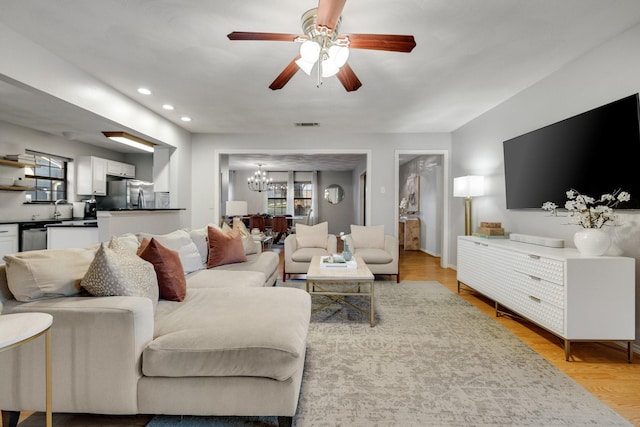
(589, 212)
(403, 205)
(343, 236)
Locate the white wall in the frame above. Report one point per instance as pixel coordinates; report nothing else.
(607, 73)
(380, 176)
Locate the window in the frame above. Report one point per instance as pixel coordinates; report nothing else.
(302, 193)
(50, 177)
(277, 199)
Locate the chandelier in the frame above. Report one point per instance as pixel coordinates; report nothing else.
(322, 46)
(259, 181)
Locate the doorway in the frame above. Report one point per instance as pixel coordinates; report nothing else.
(426, 173)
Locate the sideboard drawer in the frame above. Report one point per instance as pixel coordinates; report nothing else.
(537, 266)
(538, 310)
(544, 290)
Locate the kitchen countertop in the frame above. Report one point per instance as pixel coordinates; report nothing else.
(52, 221)
(76, 223)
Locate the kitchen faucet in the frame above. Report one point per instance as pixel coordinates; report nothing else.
(57, 214)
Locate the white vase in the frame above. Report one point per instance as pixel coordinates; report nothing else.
(591, 241)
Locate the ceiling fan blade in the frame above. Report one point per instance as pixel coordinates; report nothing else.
(388, 42)
(348, 78)
(328, 12)
(286, 74)
(278, 37)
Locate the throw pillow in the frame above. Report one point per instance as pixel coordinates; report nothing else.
(47, 273)
(126, 242)
(249, 244)
(367, 236)
(181, 242)
(224, 248)
(120, 274)
(312, 236)
(166, 263)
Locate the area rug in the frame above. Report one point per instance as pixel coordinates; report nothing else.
(432, 359)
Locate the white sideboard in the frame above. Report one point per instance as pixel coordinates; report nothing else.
(575, 297)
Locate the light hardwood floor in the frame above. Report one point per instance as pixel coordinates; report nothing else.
(599, 367)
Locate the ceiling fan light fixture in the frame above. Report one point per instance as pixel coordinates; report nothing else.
(310, 51)
(338, 55)
(305, 66)
(329, 68)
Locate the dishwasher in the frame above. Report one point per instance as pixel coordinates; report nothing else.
(33, 235)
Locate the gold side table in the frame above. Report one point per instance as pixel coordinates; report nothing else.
(20, 328)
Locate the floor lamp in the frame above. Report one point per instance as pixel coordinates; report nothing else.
(468, 186)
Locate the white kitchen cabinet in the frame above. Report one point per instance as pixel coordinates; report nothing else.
(575, 297)
(124, 170)
(91, 176)
(8, 240)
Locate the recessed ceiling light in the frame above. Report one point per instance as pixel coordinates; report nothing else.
(168, 107)
(185, 119)
(144, 91)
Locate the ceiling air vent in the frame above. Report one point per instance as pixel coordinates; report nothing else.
(307, 124)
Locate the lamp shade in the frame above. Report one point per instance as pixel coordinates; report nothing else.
(236, 208)
(468, 186)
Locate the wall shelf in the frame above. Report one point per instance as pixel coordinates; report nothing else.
(14, 188)
(16, 164)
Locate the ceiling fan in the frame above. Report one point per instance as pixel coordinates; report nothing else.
(324, 46)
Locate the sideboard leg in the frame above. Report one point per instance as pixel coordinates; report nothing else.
(567, 349)
(630, 351)
(10, 418)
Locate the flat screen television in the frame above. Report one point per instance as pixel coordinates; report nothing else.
(595, 152)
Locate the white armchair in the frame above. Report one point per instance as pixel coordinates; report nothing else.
(308, 241)
(378, 250)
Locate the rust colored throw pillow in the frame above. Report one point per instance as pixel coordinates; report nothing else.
(171, 280)
(224, 248)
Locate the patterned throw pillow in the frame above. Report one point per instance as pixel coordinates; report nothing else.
(171, 280)
(112, 274)
(224, 248)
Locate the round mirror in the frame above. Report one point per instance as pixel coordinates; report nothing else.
(334, 194)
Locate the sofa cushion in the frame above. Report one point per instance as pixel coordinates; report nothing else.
(47, 273)
(219, 278)
(312, 236)
(367, 236)
(199, 238)
(305, 254)
(171, 281)
(230, 332)
(224, 248)
(374, 256)
(180, 241)
(120, 274)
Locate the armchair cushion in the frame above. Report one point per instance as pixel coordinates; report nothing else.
(375, 255)
(369, 236)
(305, 254)
(312, 236)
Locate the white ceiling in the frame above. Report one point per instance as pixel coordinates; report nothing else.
(470, 56)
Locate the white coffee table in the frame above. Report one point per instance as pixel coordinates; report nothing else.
(20, 328)
(337, 282)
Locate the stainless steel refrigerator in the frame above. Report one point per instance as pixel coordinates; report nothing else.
(128, 194)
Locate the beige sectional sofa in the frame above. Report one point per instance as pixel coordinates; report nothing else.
(234, 346)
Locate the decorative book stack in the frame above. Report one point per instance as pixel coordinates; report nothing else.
(490, 230)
